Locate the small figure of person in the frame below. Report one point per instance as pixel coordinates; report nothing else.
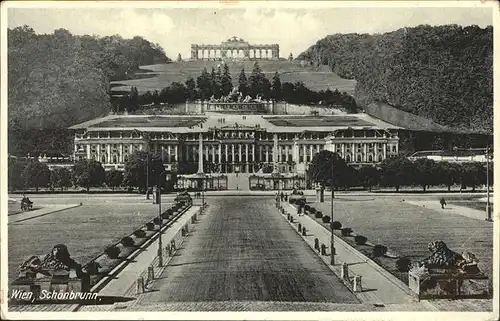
(286, 197)
(443, 202)
(282, 196)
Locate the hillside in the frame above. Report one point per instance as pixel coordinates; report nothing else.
(443, 73)
(165, 74)
(56, 80)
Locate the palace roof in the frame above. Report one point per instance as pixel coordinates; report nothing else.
(204, 123)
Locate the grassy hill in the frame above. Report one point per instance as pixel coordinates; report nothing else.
(289, 71)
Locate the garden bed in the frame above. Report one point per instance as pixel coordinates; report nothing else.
(406, 231)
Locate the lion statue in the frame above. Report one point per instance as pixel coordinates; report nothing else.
(443, 258)
(57, 262)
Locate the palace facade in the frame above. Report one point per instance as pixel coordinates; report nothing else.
(235, 48)
(227, 144)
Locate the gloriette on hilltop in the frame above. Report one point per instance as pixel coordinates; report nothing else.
(235, 48)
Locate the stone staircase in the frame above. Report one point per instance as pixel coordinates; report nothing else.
(238, 181)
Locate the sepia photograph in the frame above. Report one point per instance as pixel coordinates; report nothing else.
(248, 160)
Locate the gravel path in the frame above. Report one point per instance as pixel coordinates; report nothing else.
(244, 250)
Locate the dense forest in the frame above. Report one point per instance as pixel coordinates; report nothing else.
(444, 73)
(56, 80)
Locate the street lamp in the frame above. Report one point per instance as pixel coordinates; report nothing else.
(160, 219)
(488, 208)
(332, 239)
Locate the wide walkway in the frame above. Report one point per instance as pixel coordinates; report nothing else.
(452, 209)
(243, 250)
(379, 286)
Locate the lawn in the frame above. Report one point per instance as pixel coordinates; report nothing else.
(86, 230)
(315, 79)
(407, 229)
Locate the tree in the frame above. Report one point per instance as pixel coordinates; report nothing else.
(133, 99)
(215, 78)
(258, 83)
(448, 173)
(226, 82)
(60, 177)
(114, 178)
(397, 172)
(87, 173)
(369, 176)
(203, 82)
(179, 57)
(139, 165)
(191, 89)
(243, 83)
(15, 171)
(36, 174)
(473, 174)
(276, 87)
(328, 169)
(425, 170)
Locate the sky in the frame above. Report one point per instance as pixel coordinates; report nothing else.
(294, 29)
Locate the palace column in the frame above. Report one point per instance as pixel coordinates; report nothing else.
(295, 151)
(88, 151)
(266, 153)
(232, 153)
(246, 158)
(108, 157)
(200, 153)
(275, 152)
(120, 158)
(253, 157)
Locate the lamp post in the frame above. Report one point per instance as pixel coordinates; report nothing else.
(332, 239)
(147, 176)
(158, 199)
(488, 208)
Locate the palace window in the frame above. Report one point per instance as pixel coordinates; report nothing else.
(359, 158)
(103, 159)
(370, 158)
(348, 158)
(394, 148)
(115, 160)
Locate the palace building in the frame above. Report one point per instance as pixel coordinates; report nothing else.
(235, 48)
(235, 150)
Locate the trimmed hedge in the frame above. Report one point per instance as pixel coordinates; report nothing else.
(336, 225)
(379, 250)
(150, 226)
(346, 231)
(127, 241)
(326, 219)
(93, 268)
(318, 214)
(360, 239)
(112, 252)
(157, 220)
(403, 264)
(312, 210)
(307, 207)
(140, 233)
(165, 215)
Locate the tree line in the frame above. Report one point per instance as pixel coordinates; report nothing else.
(329, 169)
(326, 168)
(444, 73)
(218, 83)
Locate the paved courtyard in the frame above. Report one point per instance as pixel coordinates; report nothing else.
(244, 250)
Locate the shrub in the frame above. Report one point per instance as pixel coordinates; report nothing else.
(346, 231)
(150, 226)
(379, 250)
(336, 225)
(318, 214)
(157, 220)
(112, 252)
(326, 219)
(403, 264)
(360, 239)
(292, 201)
(307, 207)
(140, 233)
(93, 268)
(127, 241)
(312, 210)
(165, 215)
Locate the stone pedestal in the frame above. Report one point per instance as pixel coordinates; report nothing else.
(442, 284)
(320, 195)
